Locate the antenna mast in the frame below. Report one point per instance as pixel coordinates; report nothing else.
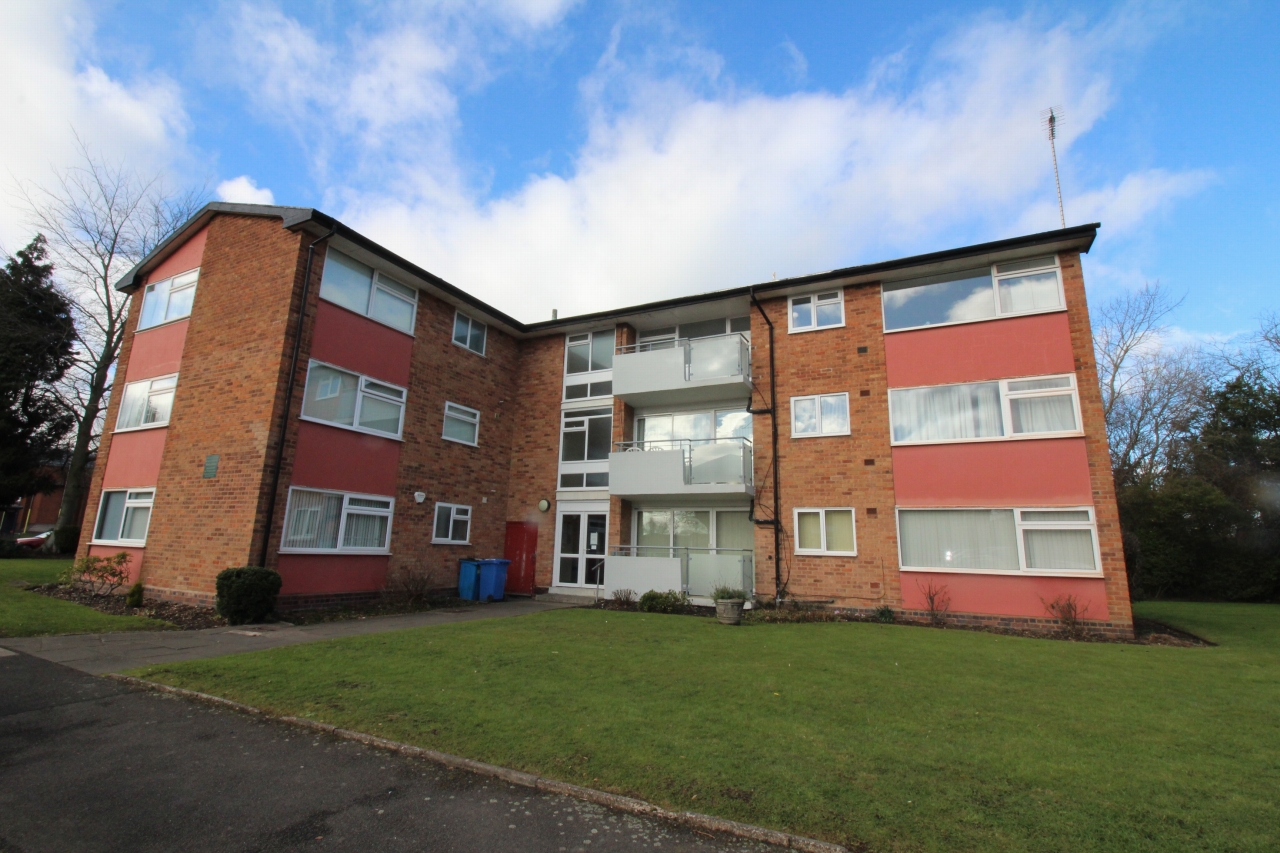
(1050, 119)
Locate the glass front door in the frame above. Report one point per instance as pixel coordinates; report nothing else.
(581, 548)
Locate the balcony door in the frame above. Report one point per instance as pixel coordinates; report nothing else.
(581, 542)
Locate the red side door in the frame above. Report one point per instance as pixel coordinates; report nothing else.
(522, 551)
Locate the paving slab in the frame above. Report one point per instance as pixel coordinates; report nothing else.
(115, 652)
(88, 764)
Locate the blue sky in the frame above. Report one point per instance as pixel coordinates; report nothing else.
(545, 153)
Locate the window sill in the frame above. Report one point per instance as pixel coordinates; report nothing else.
(120, 543)
(822, 435)
(360, 430)
(448, 542)
(371, 319)
(469, 349)
(1059, 310)
(460, 441)
(339, 552)
(799, 553)
(794, 331)
(1009, 573)
(161, 325)
(140, 428)
(994, 439)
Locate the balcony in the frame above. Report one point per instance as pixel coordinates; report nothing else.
(681, 468)
(672, 372)
(696, 571)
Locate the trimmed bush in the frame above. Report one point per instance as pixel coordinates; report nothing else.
(133, 598)
(247, 593)
(663, 602)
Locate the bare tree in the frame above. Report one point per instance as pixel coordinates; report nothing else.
(1151, 391)
(100, 220)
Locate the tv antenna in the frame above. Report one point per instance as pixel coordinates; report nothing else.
(1049, 120)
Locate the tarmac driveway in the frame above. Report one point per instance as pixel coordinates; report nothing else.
(88, 764)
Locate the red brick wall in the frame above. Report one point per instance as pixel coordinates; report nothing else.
(229, 391)
(535, 445)
(446, 470)
(1095, 428)
(828, 471)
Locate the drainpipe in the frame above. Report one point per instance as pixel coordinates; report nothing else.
(288, 397)
(777, 486)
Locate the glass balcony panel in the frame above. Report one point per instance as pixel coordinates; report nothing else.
(720, 462)
(711, 358)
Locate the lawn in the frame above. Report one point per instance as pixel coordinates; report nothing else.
(26, 614)
(899, 738)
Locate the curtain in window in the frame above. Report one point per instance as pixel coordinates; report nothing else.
(1059, 549)
(809, 531)
(835, 413)
(313, 520)
(133, 405)
(947, 412)
(365, 531)
(136, 519)
(735, 530)
(1042, 414)
(1036, 292)
(958, 539)
(839, 529)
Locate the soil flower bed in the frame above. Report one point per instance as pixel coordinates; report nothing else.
(186, 617)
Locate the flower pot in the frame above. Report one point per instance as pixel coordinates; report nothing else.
(729, 611)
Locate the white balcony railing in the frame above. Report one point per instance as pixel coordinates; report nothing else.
(711, 368)
(641, 568)
(706, 461)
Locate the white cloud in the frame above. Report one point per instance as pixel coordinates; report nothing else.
(51, 87)
(797, 64)
(244, 190)
(1121, 207)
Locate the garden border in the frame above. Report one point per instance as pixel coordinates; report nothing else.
(631, 805)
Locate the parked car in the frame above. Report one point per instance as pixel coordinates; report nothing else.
(34, 542)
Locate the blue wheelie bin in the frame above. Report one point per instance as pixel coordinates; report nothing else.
(493, 579)
(469, 580)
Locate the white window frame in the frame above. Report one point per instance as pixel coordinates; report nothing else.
(1019, 526)
(1006, 410)
(374, 284)
(822, 513)
(362, 391)
(342, 521)
(124, 395)
(793, 329)
(129, 503)
(591, 337)
(818, 399)
(464, 415)
(996, 278)
(471, 322)
(150, 287)
(456, 511)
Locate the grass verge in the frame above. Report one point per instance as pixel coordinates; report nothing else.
(28, 614)
(895, 737)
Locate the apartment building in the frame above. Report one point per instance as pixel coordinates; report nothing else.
(292, 394)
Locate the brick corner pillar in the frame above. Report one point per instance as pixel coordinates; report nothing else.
(1110, 541)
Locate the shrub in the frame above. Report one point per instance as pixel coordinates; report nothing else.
(101, 575)
(937, 601)
(624, 596)
(412, 584)
(885, 614)
(1067, 610)
(722, 593)
(663, 602)
(133, 598)
(247, 593)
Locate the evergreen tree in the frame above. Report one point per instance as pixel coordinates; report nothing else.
(37, 338)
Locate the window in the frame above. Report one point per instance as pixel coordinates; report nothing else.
(1039, 406)
(453, 525)
(585, 390)
(361, 289)
(337, 521)
(589, 352)
(469, 333)
(999, 540)
(124, 516)
(659, 432)
(168, 300)
(826, 532)
(817, 311)
(147, 403)
(461, 424)
(821, 414)
(1017, 287)
(587, 435)
(585, 480)
(350, 400)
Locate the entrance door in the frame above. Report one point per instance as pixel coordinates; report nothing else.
(581, 548)
(522, 551)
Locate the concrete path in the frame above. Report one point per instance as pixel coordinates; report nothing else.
(87, 764)
(116, 652)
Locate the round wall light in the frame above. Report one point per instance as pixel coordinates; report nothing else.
(544, 505)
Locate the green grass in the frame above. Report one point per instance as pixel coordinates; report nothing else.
(896, 737)
(27, 614)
